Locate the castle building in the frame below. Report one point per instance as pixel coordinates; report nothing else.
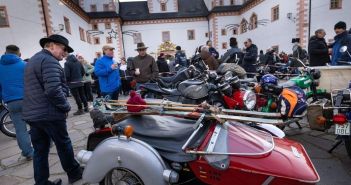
(163, 24)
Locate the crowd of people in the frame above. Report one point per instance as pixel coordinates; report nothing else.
(36, 90)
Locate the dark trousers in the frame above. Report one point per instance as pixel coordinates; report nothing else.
(88, 91)
(111, 95)
(250, 70)
(125, 85)
(41, 134)
(79, 96)
(97, 88)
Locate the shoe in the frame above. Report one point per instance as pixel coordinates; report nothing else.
(79, 112)
(86, 109)
(77, 178)
(56, 182)
(25, 158)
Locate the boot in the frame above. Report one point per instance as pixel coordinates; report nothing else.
(79, 112)
(86, 109)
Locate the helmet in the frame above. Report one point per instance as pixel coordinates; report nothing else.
(268, 78)
(316, 74)
(292, 102)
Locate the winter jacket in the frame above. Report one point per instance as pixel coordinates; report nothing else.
(318, 51)
(343, 39)
(109, 78)
(147, 67)
(74, 72)
(11, 77)
(251, 54)
(45, 89)
(180, 58)
(213, 52)
(88, 69)
(162, 65)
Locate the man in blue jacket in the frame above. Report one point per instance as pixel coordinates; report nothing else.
(108, 73)
(11, 92)
(342, 38)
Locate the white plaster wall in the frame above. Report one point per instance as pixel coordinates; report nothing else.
(157, 6)
(58, 11)
(324, 17)
(222, 22)
(152, 36)
(25, 28)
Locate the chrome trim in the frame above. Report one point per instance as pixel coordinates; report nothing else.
(268, 180)
(214, 138)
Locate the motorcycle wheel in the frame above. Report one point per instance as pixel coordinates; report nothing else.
(348, 145)
(121, 176)
(6, 125)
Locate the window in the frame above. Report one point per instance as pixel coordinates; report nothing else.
(166, 36)
(163, 7)
(4, 21)
(107, 25)
(224, 32)
(82, 34)
(243, 26)
(191, 34)
(93, 8)
(206, 34)
(221, 3)
(232, 2)
(105, 7)
(253, 21)
(224, 45)
(95, 27)
(67, 25)
(88, 37)
(335, 4)
(275, 13)
(96, 40)
(137, 38)
(108, 40)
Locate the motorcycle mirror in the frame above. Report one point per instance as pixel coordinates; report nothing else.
(343, 49)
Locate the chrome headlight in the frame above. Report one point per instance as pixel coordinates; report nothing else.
(249, 100)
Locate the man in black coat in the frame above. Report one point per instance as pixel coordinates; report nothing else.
(74, 72)
(250, 58)
(162, 64)
(45, 108)
(318, 49)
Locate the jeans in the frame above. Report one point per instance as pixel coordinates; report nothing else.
(22, 135)
(42, 132)
(79, 96)
(111, 95)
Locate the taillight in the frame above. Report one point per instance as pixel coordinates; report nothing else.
(339, 119)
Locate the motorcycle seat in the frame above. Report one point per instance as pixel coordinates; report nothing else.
(173, 92)
(288, 83)
(152, 87)
(164, 133)
(191, 82)
(163, 83)
(168, 79)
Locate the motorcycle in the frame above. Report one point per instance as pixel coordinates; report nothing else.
(149, 150)
(6, 125)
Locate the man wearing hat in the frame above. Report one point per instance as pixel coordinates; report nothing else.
(342, 38)
(11, 92)
(45, 108)
(108, 73)
(144, 67)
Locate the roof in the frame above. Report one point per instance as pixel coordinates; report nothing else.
(101, 15)
(230, 8)
(132, 11)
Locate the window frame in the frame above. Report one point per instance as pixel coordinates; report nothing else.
(164, 34)
(106, 25)
(224, 32)
(137, 38)
(7, 23)
(93, 8)
(193, 34)
(335, 2)
(109, 40)
(88, 37)
(224, 45)
(274, 16)
(243, 27)
(98, 39)
(163, 7)
(253, 22)
(81, 34)
(95, 24)
(105, 7)
(67, 24)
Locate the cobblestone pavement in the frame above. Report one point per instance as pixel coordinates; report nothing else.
(334, 169)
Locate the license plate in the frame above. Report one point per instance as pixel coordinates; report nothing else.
(342, 129)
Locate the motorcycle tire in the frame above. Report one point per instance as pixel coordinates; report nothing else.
(128, 177)
(347, 141)
(3, 126)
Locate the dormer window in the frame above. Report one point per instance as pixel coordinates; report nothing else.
(163, 7)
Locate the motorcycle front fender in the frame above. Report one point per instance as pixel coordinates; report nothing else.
(130, 154)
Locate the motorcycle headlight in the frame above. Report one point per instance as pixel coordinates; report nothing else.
(283, 108)
(249, 100)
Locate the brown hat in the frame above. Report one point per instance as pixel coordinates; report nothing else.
(105, 47)
(141, 45)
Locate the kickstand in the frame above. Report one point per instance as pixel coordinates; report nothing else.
(336, 144)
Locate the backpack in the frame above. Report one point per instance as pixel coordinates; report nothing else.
(181, 59)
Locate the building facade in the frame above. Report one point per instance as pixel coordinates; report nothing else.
(90, 24)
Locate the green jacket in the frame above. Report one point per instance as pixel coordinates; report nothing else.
(89, 69)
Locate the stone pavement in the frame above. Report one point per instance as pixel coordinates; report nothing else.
(334, 169)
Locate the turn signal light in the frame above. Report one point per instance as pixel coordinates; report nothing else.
(119, 130)
(339, 119)
(128, 131)
(321, 120)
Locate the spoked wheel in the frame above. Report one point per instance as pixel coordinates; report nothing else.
(122, 176)
(6, 125)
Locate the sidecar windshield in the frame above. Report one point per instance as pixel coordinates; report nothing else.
(234, 138)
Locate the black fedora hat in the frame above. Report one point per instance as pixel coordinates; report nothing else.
(56, 39)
